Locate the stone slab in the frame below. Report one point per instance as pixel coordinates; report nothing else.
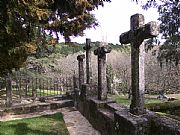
(128, 124)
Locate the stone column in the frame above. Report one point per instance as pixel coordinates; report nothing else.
(81, 69)
(102, 81)
(76, 91)
(88, 60)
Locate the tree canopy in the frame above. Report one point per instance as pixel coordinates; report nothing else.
(169, 17)
(24, 23)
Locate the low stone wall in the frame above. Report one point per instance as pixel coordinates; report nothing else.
(161, 125)
(112, 119)
(47, 104)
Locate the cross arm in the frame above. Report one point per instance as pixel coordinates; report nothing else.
(148, 30)
(125, 37)
(102, 50)
(80, 57)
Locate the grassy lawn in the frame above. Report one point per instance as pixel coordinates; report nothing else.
(166, 108)
(169, 115)
(123, 100)
(43, 125)
(49, 92)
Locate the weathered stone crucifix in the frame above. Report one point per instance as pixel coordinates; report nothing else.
(88, 47)
(81, 69)
(136, 36)
(102, 82)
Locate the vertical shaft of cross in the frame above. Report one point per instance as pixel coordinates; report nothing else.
(102, 81)
(80, 69)
(137, 67)
(88, 59)
(137, 79)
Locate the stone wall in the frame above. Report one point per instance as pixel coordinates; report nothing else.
(111, 118)
(49, 103)
(107, 116)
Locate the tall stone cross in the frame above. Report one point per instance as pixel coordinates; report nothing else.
(136, 36)
(102, 82)
(81, 69)
(88, 47)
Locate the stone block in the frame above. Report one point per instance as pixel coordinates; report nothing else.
(61, 104)
(94, 114)
(17, 110)
(128, 124)
(29, 109)
(115, 107)
(84, 89)
(43, 106)
(1, 113)
(95, 103)
(161, 125)
(105, 122)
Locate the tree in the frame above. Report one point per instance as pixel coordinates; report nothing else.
(24, 22)
(170, 22)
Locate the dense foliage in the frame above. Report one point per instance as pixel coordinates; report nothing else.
(24, 23)
(169, 17)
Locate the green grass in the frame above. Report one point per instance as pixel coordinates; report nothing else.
(123, 100)
(169, 115)
(49, 92)
(43, 125)
(163, 106)
(41, 92)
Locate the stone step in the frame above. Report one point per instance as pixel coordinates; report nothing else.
(37, 107)
(61, 104)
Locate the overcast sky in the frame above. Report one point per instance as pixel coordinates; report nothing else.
(114, 19)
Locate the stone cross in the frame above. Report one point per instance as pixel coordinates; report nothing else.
(81, 69)
(102, 82)
(88, 59)
(136, 36)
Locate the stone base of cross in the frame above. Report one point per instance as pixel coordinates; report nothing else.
(135, 37)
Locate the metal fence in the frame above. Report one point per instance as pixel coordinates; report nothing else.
(17, 87)
(40, 87)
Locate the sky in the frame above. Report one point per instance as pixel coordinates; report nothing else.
(114, 19)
